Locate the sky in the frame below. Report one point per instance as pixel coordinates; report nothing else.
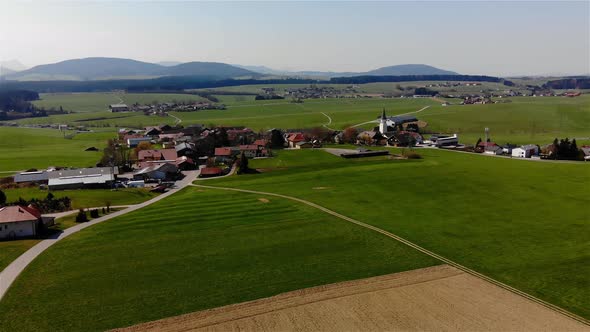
(500, 38)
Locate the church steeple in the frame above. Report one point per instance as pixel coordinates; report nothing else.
(383, 123)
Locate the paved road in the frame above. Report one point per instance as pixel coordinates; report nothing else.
(412, 245)
(376, 121)
(12, 271)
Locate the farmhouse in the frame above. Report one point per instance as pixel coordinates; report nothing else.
(444, 140)
(208, 172)
(118, 108)
(493, 150)
(152, 131)
(525, 151)
(144, 157)
(97, 177)
(157, 171)
(185, 149)
(21, 221)
(294, 138)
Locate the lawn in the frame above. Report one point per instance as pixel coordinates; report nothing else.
(10, 250)
(85, 198)
(195, 250)
(25, 148)
(524, 223)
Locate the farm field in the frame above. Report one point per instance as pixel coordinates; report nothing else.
(196, 250)
(523, 223)
(85, 198)
(25, 148)
(99, 102)
(522, 121)
(439, 298)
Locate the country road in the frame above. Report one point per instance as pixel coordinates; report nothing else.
(412, 245)
(12, 271)
(375, 121)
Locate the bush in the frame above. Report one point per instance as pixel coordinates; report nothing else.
(81, 217)
(94, 213)
(409, 154)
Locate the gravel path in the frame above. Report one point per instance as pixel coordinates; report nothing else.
(12, 271)
(414, 246)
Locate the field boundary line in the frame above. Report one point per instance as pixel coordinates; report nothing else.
(414, 246)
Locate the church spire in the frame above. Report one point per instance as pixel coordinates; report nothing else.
(383, 117)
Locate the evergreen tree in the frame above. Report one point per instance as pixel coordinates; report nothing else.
(243, 164)
(276, 139)
(2, 198)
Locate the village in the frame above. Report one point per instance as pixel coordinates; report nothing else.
(156, 157)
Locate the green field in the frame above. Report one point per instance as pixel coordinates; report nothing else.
(195, 250)
(524, 223)
(24, 148)
(524, 120)
(10, 250)
(99, 102)
(85, 198)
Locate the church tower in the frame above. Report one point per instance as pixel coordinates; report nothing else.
(383, 123)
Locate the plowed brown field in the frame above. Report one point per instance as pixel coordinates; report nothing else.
(439, 298)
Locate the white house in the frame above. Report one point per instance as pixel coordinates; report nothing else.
(493, 150)
(525, 151)
(18, 221)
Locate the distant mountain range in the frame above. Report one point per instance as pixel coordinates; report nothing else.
(88, 69)
(98, 68)
(397, 70)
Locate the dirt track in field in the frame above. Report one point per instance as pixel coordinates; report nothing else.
(440, 298)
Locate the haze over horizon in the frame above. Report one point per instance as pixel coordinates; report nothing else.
(490, 38)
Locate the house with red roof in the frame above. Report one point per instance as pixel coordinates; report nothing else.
(294, 138)
(207, 172)
(146, 157)
(19, 221)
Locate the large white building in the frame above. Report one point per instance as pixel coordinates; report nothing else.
(525, 151)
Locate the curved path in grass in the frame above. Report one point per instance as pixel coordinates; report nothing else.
(412, 245)
(12, 271)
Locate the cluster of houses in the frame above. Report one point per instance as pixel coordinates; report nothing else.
(316, 92)
(163, 108)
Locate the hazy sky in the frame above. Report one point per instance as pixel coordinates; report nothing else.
(493, 38)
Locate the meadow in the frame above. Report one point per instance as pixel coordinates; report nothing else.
(195, 250)
(523, 120)
(25, 148)
(99, 102)
(524, 223)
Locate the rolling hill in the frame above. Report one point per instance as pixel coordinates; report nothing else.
(97, 68)
(411, 69)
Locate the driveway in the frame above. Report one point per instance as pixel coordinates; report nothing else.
(12, 271)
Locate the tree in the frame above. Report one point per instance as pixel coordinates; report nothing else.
(2, 198)
(243, 164)
(277, 140)
(81, 216)
(349, 135)
(222, 139)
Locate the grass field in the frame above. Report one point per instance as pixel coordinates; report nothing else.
(99, 102)
(195, 250)
(10, 250)
(524, 223)
(85, 198)
(524, 120)
(24, 148)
